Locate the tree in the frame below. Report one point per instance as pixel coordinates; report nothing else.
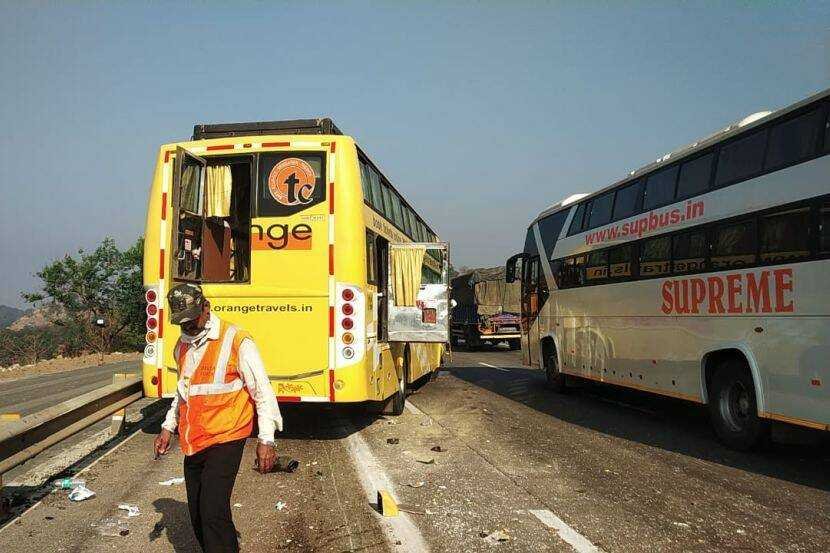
(104, 284)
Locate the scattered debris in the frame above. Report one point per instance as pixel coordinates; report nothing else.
(495, 538)
(442, 487)
(132, 510)
(237, 505)
(438, 449)
(427, 422)
(386, 504)
(426, 460)
(68, 483)
(681, 524)
(49, 518)
(285, 464)
(741, 531)
(172, 481)
(111, 527)
(416, 484)
(80, 493)
(393, 441)
(280, 505)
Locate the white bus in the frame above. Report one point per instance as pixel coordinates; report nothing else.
(702, 276)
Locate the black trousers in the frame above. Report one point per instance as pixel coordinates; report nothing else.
(209, 476)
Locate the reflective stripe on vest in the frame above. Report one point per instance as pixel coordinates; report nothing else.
(219, 386)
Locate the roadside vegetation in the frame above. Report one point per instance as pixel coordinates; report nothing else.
(78, 291)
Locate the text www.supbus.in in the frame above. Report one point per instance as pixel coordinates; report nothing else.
(647, 223)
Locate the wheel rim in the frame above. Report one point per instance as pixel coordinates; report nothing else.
(735, 406)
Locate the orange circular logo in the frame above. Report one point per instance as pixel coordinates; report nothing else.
(291, 182)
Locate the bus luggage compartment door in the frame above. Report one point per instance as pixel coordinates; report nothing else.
(418, 292)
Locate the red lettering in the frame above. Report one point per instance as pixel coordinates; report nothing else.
(783, 283)
(674, 216)
(715, 295)
(681, 296)
(757, 293)
(653, 221)
(734, 288)
(667, 297)
(698, 294)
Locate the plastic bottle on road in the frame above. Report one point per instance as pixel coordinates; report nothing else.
(68, 483)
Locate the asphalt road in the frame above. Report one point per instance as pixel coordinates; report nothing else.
(35, 393)
(597, 469)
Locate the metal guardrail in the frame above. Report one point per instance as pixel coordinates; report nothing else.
(23, 439)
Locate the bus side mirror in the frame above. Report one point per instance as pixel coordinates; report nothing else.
(510, 268)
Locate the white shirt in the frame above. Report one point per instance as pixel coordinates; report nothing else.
(251, 370)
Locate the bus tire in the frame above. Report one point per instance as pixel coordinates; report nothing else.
(733, 409)
(514, 344)
(396, 403)
(554, 378)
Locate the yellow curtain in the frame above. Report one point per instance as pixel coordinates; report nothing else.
(406, 274)
(218, 194)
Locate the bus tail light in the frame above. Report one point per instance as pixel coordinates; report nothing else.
(350, 327)
(154, 331)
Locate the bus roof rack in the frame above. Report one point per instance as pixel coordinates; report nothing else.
(323, 125)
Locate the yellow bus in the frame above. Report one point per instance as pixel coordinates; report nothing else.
(296, 236)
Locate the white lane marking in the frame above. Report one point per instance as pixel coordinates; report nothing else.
(494, 367)
(373, 478)
(573, 538)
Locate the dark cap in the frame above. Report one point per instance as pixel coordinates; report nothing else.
(186, 301)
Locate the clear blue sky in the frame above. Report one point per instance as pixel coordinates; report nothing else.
(482, 114)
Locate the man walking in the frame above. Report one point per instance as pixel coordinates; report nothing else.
(222, 382)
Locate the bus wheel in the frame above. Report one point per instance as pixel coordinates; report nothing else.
(733, 409)
(554, 379)
(514, 344)
(395, 405)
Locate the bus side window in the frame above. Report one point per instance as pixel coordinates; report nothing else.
(596, 269)
(655, 257)
(733, 245)
(621, 260)
(579, 270)
(827, 131)
(793, 140)
(689, 252)
(741, 158)
(824, 229)
(576, 222)
(660, 188)
(785, 236)
(558, 268)
(371, 259)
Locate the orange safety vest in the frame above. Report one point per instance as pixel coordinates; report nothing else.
(214, 406)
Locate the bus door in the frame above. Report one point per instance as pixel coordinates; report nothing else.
(531, 303)
(418, 293)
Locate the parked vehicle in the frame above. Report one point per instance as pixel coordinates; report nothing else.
(486, 310)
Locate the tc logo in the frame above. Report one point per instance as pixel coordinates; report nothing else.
(291, 182)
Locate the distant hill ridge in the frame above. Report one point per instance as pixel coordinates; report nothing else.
(41, 316)
(9, 315)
